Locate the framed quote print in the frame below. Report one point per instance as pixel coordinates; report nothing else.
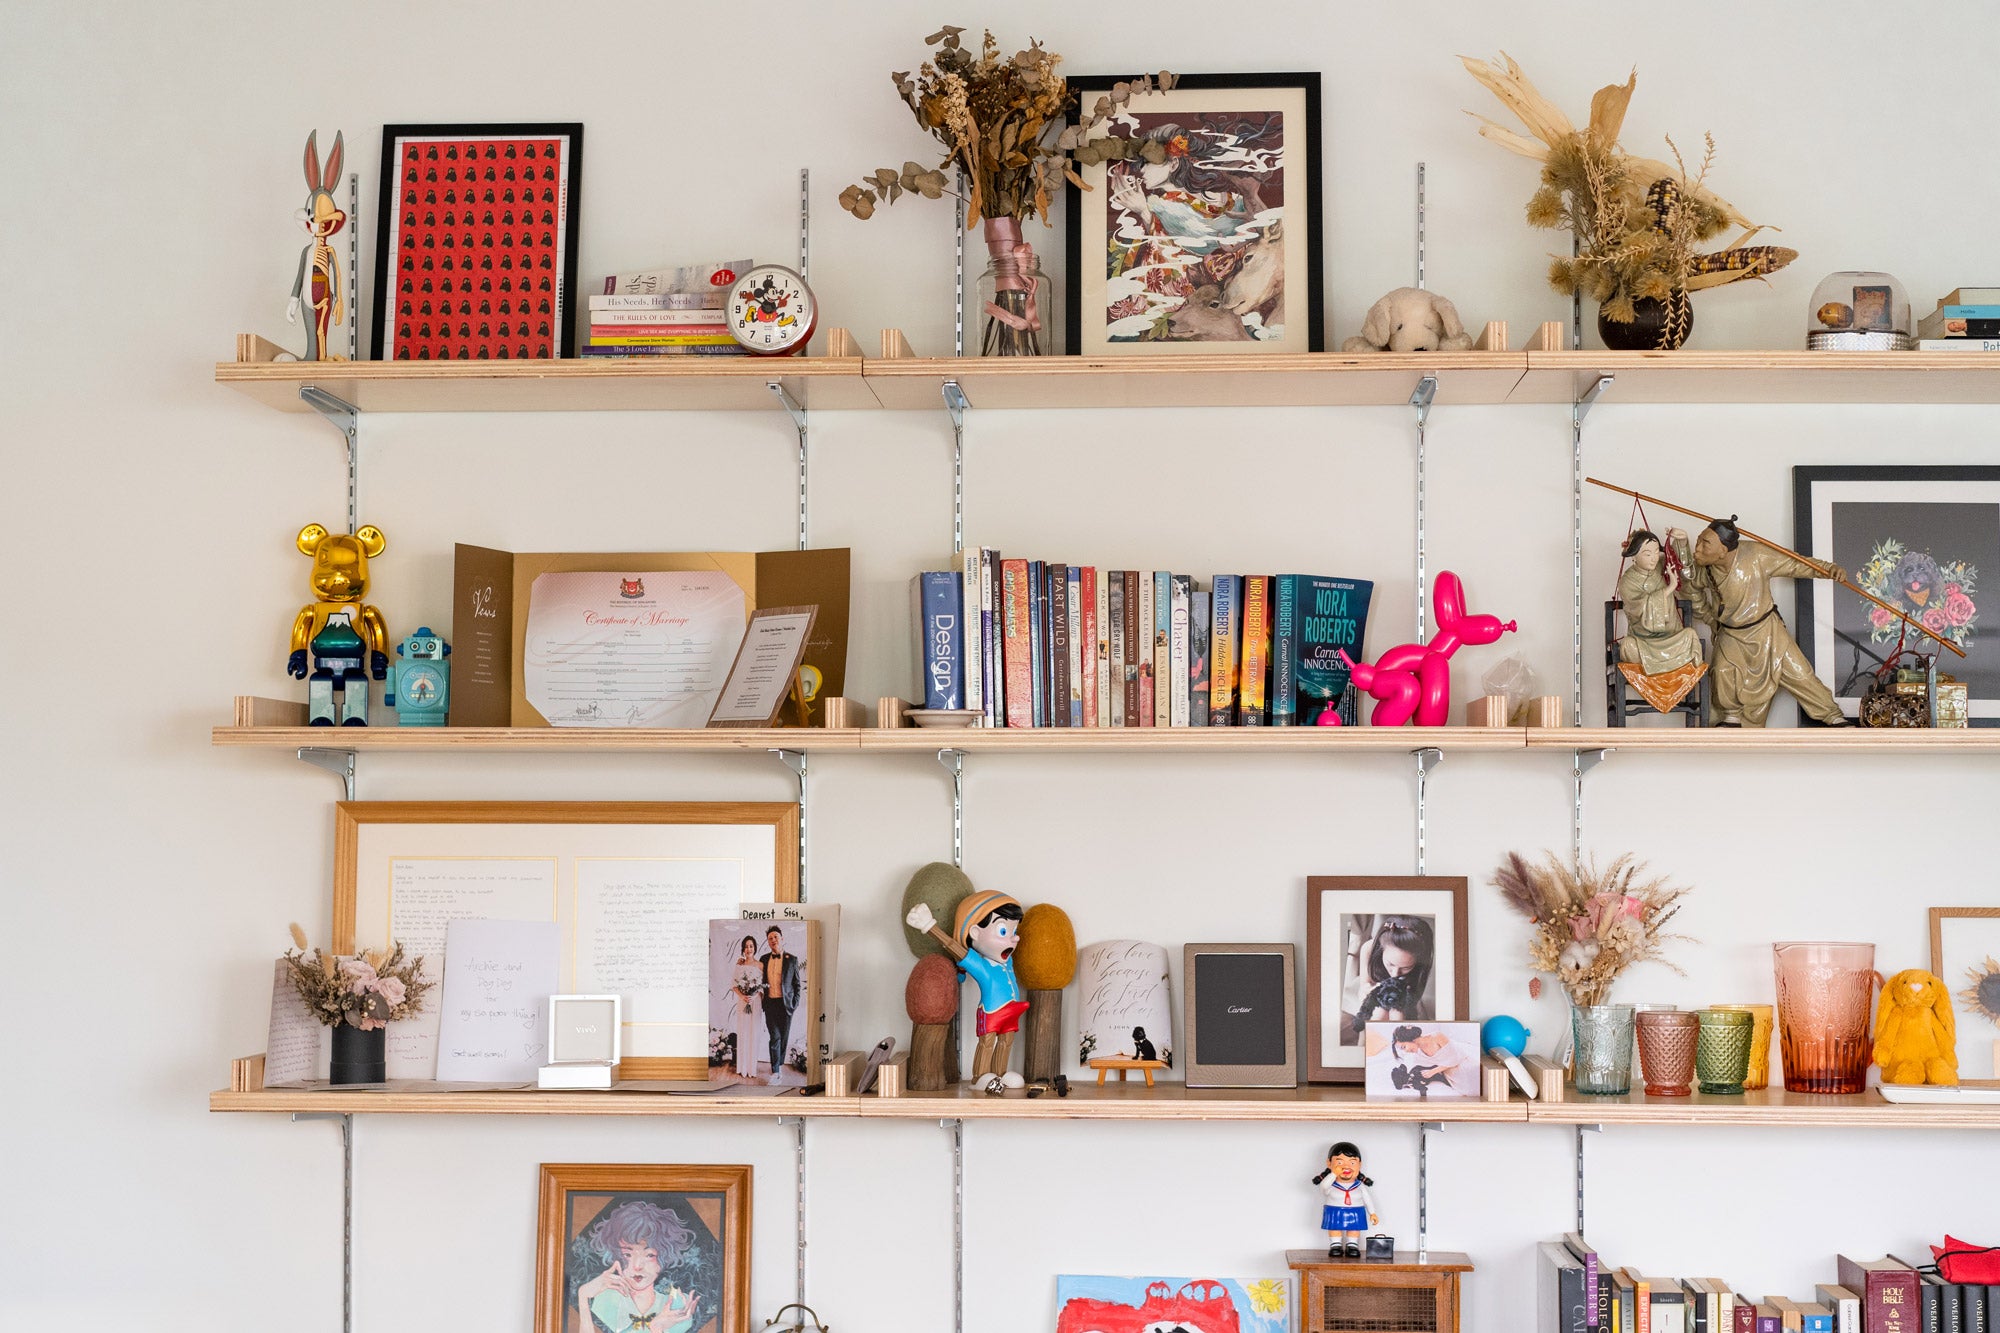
(1381, 948)
(631, 886)
(1216, 246)
(475, 243)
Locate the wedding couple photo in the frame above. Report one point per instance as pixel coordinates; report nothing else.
(757, 985)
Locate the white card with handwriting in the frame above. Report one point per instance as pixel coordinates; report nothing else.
(498, 975)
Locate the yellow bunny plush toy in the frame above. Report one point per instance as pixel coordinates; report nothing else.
(1915, 1036)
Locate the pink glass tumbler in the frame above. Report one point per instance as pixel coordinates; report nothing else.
(1825, 995)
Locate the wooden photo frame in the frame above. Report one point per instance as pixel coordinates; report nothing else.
(1965, 956)
(1351, 923)
(1235, 206)
(632, 884)
(1920, 537)
(475, 242)
(1240, 1015)
(687, 1226)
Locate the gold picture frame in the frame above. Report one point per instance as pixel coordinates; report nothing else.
(591, 1213)
(403, 869)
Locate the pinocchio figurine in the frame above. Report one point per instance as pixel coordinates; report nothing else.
(985, 930)
(1349, 1209)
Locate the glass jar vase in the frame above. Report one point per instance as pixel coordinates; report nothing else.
(1603, 1061)
(1016, 314)
(1825, 999)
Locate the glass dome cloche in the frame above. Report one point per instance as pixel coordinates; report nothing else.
(1858, 311)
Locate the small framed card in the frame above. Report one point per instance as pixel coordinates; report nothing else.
(1421, 1061)
(1242, 1016)
(766, 663)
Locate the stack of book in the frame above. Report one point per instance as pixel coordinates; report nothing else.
(664, 312)
(1578, 1292)
(1032, 643)
(1966, 320)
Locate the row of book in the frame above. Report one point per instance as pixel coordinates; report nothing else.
(1967, 319)
(664, 312)
(1577, 1292)
(1032, 643)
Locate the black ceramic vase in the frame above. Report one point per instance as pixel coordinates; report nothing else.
(359, 1057)
(1647, 331)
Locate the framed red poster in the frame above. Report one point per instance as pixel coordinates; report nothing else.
(475, 256)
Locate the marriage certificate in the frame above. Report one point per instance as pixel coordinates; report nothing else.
(631, 650)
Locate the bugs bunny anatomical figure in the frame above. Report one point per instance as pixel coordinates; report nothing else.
(317, 263)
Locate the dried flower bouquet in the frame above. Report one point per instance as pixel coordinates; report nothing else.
(367, 992)
(1590, 924)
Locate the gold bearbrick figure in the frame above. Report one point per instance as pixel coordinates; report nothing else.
(1916, 1038)
(345, 636)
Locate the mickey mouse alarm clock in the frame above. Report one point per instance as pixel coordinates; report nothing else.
(771, 311)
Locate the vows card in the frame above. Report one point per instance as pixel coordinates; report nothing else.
(296, 1046)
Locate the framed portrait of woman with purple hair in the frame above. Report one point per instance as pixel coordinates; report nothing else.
(643, 1249)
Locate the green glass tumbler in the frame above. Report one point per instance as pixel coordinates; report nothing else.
(1603, 1059)
(1722, 1050)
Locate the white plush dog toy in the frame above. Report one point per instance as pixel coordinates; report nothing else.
(1410, 319)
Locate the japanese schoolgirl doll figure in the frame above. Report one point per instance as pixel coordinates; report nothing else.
(1348, 1209)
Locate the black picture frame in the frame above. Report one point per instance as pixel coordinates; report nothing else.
(1837, 629)
(1079, 337)
(411, 215)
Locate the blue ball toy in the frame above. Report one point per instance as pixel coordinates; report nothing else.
(1503, 1033)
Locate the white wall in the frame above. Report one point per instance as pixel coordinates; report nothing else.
(151, 165)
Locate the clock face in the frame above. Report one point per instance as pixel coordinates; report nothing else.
(419, 686)
(771, 310)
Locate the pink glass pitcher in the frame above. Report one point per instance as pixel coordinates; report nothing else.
(1826, 996)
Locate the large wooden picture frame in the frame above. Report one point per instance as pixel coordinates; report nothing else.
(1215, 249)
(1350, 921)
(632, 884)
(1967, 960)
(688, 1225)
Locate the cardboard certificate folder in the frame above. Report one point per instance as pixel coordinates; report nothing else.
(600, 676)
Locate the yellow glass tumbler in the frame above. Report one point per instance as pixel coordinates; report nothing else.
(1761, 1018)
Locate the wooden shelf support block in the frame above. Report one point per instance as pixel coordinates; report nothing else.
(895, 347)
(1492, 338)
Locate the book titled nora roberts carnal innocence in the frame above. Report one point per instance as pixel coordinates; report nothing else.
(1329, 615)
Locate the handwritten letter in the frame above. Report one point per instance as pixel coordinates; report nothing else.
(498, 976)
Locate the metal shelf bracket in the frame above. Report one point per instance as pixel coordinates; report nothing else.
(1428, 758)
(1581, 1130)
(796, 761)
(957, 1129)
(955, 403)
(1579, 409)
(1424, 1131)
(797, 413)
(1420, 402)
(344, 417)
(1581, 764)
(346, 1122)
(954, 764)
(340, 763)
(797, 1124)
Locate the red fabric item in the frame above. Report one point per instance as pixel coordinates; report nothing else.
(1962, 1261)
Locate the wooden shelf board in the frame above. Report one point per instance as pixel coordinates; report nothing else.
(437, 1100)
(1193, 740)
(1763, 377)
(1132, 1101)
(1765, 1107)
(1316, 379)
(1770, 740)
(582, 384)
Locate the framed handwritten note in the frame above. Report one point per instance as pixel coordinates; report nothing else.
(630, 887)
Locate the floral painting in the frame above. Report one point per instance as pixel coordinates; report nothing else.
(1918, 537)
(1937, 592)
(1086, 1304)
(1209, 239)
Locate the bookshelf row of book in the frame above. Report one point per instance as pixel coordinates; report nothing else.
(1034, 643)
(663, 312)
(1578, 1291)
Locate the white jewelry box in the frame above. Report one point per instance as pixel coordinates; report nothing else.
(584, 1032)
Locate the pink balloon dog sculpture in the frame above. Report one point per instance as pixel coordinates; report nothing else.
(1415, 679)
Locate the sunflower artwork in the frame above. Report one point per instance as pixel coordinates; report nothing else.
(1939, 593)
(1965, 954)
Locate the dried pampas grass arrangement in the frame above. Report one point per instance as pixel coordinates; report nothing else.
(1591, 924)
